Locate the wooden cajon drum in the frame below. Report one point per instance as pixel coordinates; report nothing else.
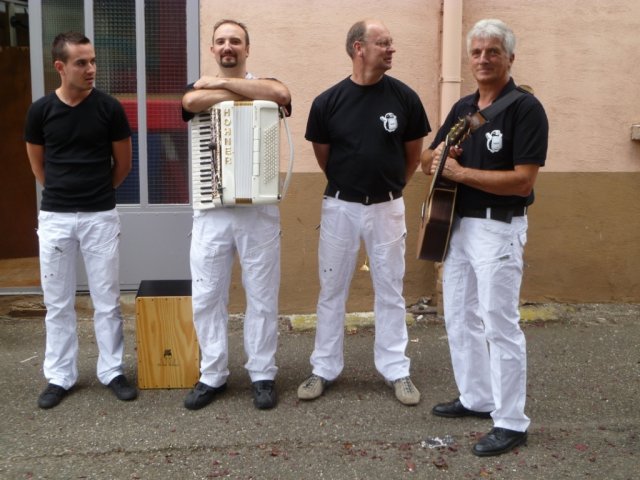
(168, 354)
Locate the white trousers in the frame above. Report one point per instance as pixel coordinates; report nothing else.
(382, 228)
(254, 232)
(481, 282)
(96, 235)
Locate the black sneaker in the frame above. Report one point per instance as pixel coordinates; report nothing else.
(122, 388)
(202, 395)
(51, 396)
(264, 394)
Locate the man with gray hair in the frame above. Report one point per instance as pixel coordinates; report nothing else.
(495, 169)
(367, 133)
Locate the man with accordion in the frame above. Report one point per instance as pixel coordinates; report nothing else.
(218, 233)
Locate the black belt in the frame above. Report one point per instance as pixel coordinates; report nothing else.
(502, 214)
(358, 198)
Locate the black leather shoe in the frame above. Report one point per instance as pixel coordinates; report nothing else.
(51, 396)
(455, 409)
(202, 395)
(264, 394)
(498, 441)
(122, 388)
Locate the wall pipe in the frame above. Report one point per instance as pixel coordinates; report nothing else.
(451, 55)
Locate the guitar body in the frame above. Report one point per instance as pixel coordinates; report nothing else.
(438, 208)
(436, 221)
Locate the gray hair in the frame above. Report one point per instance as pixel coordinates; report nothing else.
(493, 28)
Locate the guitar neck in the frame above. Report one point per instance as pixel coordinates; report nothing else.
(465, 126)
(438, 180)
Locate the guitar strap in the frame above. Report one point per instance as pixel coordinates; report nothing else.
(498, 106)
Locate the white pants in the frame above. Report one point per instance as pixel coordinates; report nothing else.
(254, 232)
(96, 235)
(481, 282)
(382, 227)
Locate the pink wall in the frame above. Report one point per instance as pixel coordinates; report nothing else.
(302, 44)
(581, 57)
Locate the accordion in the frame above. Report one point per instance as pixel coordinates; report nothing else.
(235, 148)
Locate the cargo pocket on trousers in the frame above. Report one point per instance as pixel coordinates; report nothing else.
(390, 258)
(207, 266)
(333, 260)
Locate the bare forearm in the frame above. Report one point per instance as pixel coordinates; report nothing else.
(35, 153)
(196, 101)
(518, 181)
(425, 161)
(498, 182)
(253, 89)
(122, 161)
(321, 152)
(259, 89)
(412, 151)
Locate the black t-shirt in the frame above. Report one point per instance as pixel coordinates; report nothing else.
(77, 150)
(366, 127)
(516, 136)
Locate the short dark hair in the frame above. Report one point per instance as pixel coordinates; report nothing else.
(233, 22)
(356, 34)
(59, 46)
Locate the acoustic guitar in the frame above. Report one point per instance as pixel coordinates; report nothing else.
(438, 207)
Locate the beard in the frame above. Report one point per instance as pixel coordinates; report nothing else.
(228, 61)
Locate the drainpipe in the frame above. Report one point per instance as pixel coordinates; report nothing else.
(451, 55)
(450, 91)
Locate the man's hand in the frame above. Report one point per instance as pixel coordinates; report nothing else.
(451, 167)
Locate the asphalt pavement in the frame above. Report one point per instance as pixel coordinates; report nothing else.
(583, 396)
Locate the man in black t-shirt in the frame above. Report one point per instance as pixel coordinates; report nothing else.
(495, 168)
(367, 133)
(79, 147)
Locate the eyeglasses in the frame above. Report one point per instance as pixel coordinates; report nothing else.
(386, 44)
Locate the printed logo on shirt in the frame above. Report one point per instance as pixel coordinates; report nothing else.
(494, 141)
(390, 122)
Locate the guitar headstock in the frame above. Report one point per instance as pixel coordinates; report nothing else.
(459, 132)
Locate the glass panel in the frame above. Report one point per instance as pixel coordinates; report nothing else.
(115, 43)
(58, 16)
(166, 68)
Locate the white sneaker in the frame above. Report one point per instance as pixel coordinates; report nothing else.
(406, 391)
(312, 387)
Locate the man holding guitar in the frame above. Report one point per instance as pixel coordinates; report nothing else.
(495, 168)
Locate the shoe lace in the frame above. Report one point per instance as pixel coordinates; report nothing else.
(311, 381)
(406, 385)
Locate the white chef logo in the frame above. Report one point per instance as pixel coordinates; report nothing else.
(494, 141)
(390, 122)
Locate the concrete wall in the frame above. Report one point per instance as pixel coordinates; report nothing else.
(581, 59)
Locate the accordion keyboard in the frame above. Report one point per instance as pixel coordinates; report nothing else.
(202, 161)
